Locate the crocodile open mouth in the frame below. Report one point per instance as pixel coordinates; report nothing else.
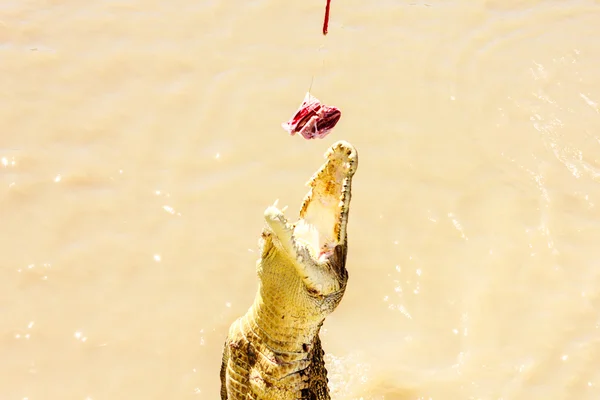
(317, 241)
(324, 212)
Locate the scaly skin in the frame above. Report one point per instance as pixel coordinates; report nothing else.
(273, 352)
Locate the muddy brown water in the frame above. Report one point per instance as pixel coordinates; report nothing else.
(141, 142)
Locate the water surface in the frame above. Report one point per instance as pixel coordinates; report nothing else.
(141, 142)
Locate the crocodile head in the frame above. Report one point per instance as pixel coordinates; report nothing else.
(311, 252)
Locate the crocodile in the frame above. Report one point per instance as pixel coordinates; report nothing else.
(273, 352)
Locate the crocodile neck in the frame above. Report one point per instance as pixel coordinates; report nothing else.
(278, 328)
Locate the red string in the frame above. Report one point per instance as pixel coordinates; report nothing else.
(326, 22)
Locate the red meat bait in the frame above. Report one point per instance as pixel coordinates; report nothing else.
(313, 119)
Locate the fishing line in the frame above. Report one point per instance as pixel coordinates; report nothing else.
(319, 69)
